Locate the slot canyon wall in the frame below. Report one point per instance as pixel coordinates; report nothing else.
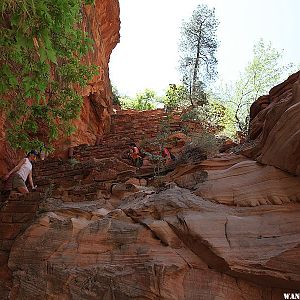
(223, 228)
(275, 127)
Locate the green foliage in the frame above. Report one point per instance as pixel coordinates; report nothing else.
(214, 116)
(176, 97)
(73, 162)
(263, 72)
(198, 46)
(116, 96)
(41, 48)
(159, 142)
(201, 146)
(143, 101)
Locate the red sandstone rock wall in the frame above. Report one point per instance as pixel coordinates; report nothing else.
(102, 22)
(223, 228)
(275, 127)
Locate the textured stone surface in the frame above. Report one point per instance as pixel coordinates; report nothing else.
(97, 236)
(249, 183)
(237, 181)
(133, 126)
(102, 22)
(171, 245)
(223, 228)
(275, 127)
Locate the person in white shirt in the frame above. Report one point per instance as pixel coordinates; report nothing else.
(23, 170)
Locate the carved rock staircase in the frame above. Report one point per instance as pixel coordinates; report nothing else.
(128, 126)
(89, 176)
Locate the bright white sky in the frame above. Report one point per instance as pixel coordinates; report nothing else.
(147, 55)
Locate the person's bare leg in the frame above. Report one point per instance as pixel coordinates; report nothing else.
(23, 190)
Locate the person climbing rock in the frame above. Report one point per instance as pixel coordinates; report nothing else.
(169, 157)
(135, 155)
(23, 170)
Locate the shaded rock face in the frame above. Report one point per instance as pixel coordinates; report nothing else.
(102, 22)
(275, 127)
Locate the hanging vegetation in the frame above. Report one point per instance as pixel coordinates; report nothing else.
(41, 50)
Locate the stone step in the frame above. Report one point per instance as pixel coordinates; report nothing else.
(139, 126)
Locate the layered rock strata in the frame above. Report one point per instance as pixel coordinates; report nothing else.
(98, 234)
(170, 245)
(102, 21)
(275, 127)
(237, 181)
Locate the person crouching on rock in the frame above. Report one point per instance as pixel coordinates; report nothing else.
(135, 155)
(23, 170)
(168, 156)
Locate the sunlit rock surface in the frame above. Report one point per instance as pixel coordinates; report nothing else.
(235, 180)
(170, 245)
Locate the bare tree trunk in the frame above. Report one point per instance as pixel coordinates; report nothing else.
(191, 90)
(196, 66)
